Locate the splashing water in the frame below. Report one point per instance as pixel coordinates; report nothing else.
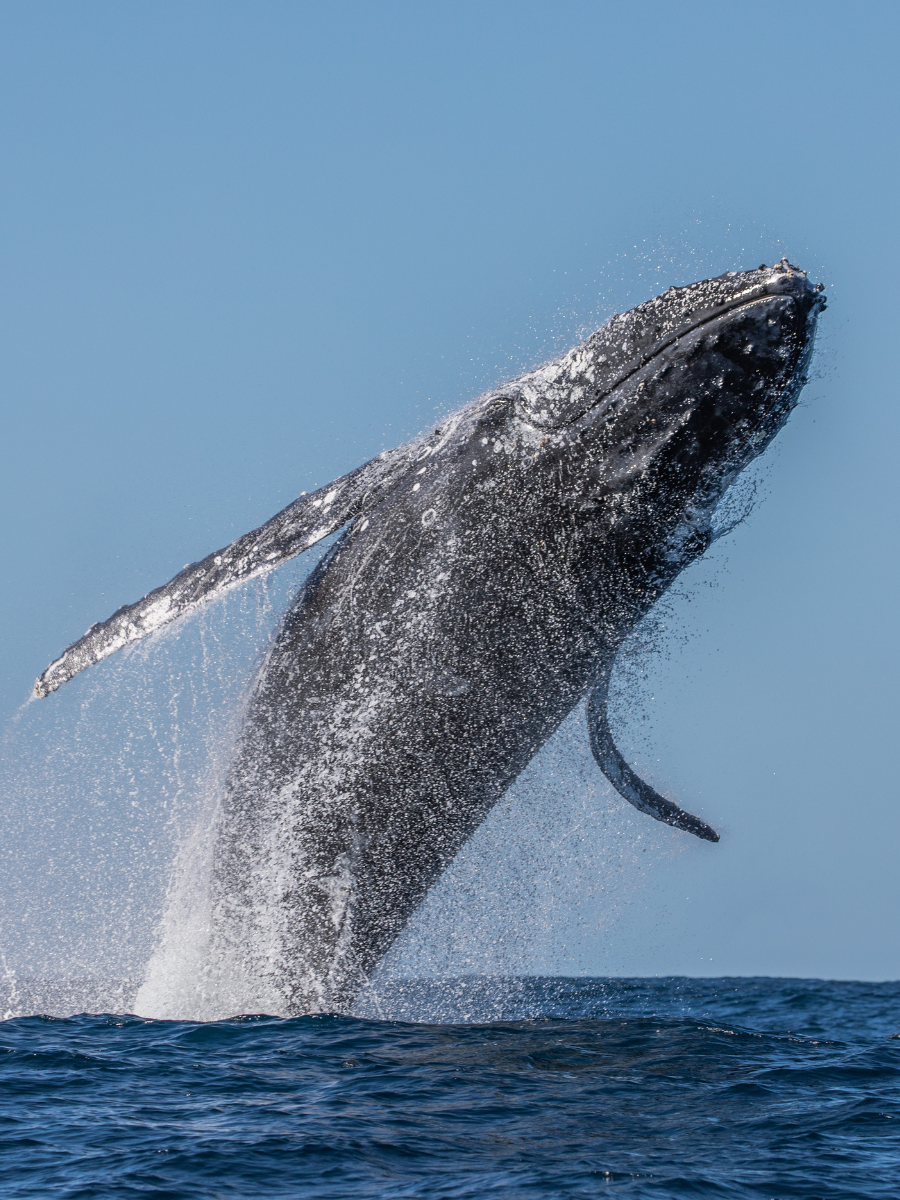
(556, 854)
(112, 809)
(113, 794)
(109, 791)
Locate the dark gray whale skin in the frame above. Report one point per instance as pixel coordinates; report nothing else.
(487, 575)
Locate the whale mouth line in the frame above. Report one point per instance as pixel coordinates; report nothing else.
(733, 306)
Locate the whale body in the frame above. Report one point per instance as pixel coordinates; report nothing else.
(487, 574)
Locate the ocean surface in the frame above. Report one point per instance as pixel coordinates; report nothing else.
(470, 1088)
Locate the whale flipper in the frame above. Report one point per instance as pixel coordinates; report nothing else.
(624, 780)
(309, 519)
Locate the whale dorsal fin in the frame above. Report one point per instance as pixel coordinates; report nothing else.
(308, 520)
(624, 780)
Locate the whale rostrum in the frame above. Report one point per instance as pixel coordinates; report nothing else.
(487, 573)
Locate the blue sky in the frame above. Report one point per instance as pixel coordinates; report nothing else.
(243, 247)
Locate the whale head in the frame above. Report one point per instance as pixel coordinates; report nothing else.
(679, 394)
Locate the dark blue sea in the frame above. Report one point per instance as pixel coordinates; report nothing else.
(655, 1088)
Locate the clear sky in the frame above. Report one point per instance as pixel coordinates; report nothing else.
(245, 246)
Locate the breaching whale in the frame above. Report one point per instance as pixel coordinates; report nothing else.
(487, 574)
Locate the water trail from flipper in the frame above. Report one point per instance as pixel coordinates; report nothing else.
(106, 785)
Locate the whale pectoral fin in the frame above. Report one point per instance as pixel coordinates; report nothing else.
(308, 520)
(625, 781)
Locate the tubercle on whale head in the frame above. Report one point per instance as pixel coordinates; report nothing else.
(687, 418)
(557, 394)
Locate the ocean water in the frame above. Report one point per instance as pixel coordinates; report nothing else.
(468, 1087)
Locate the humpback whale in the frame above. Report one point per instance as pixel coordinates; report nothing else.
(486, 575)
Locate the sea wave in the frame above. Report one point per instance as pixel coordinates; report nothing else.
(525, 1087)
